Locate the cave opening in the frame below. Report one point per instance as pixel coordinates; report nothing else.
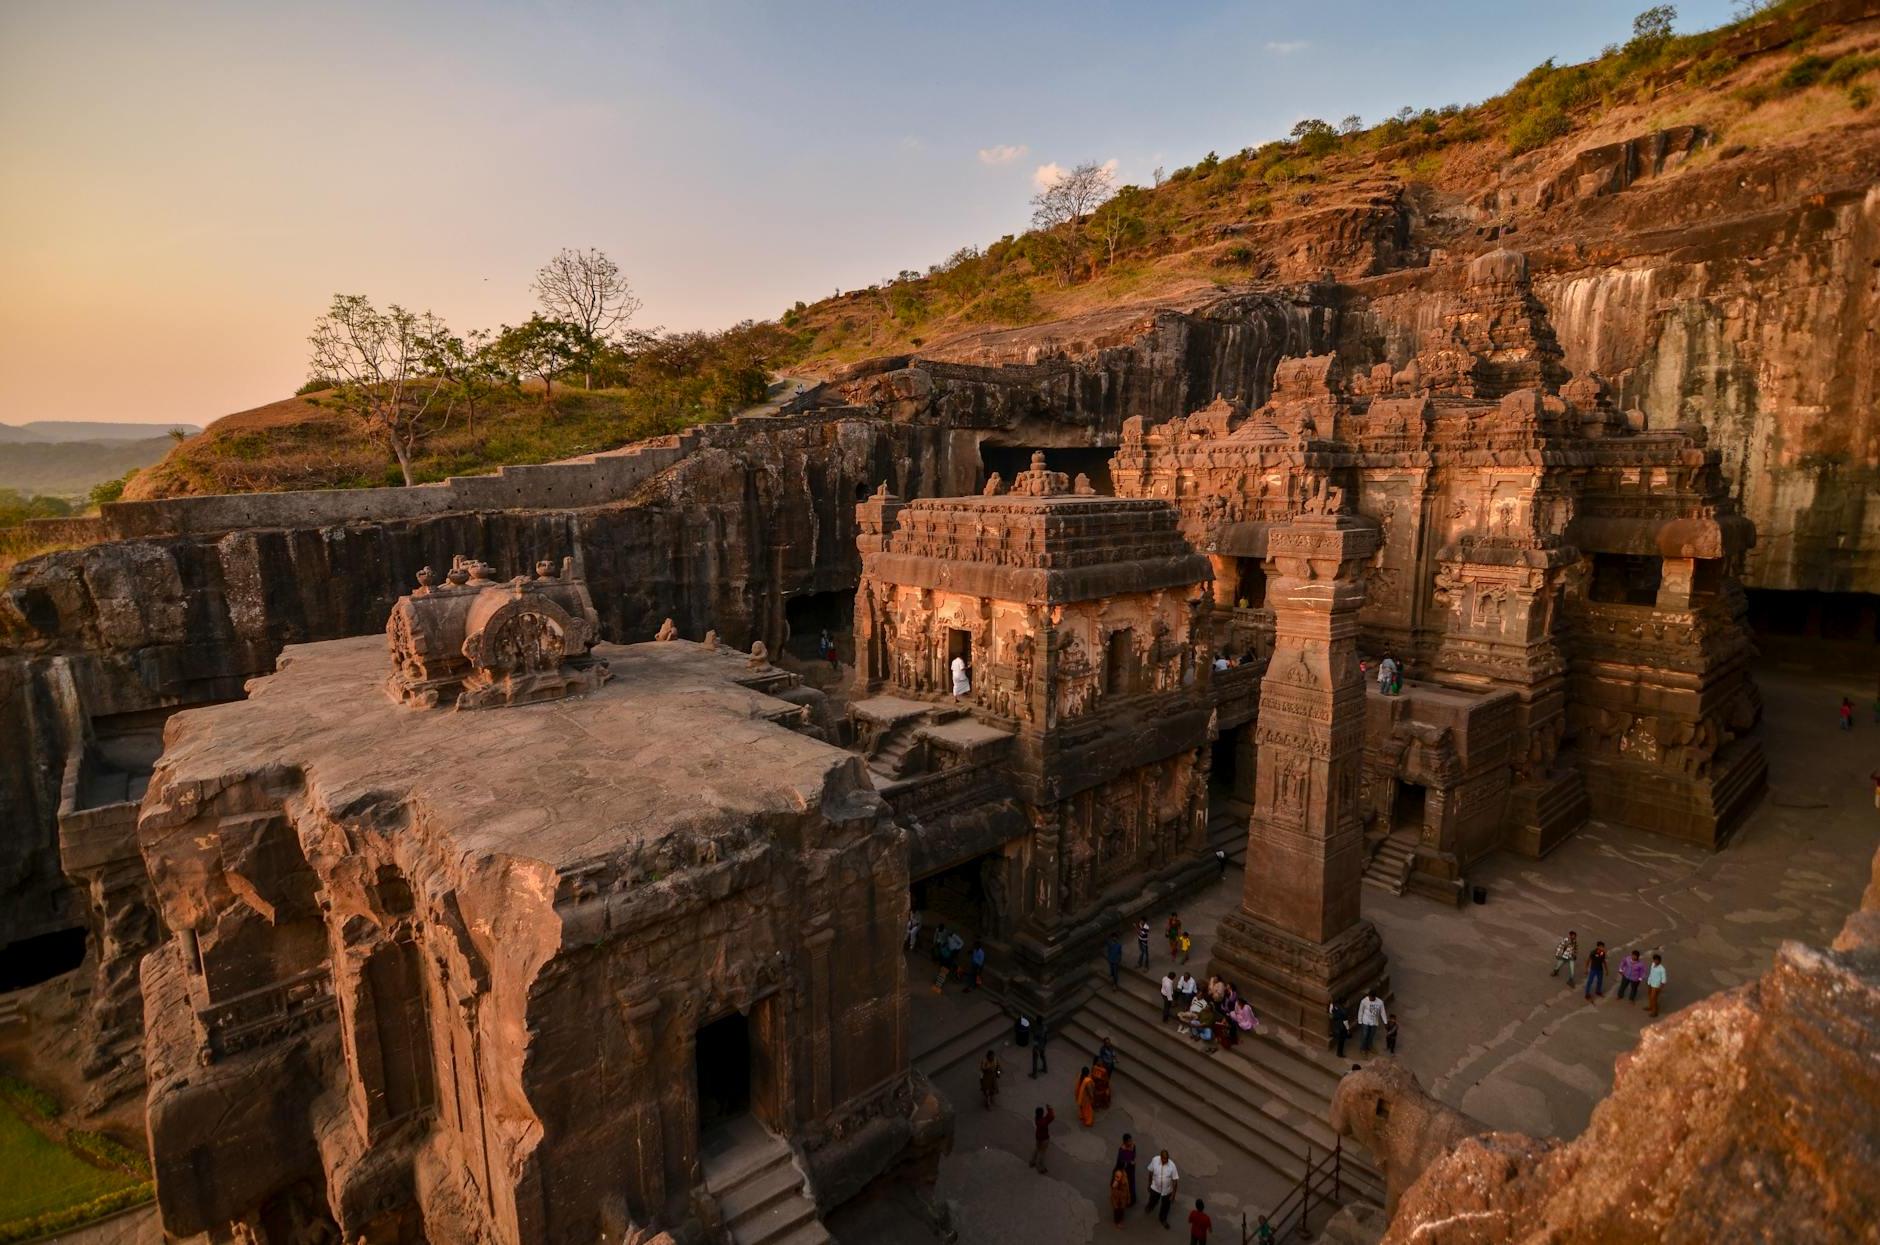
(1009, 460)
(30, 961)
(1828, 630)
(807, 615)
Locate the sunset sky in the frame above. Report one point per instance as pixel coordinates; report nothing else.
(184, 186)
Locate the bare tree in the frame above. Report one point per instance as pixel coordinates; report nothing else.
(585, 289)
(1060, 209)
(376, 361)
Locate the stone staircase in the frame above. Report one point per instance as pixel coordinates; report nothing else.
(970, 1035)
(889, 759)
(1268, 1099)
(754, 1179)
(1389, 867)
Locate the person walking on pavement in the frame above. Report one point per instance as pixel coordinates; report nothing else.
(1847, 714)
(1041, 1120)
(1038, 1036)
(989, 1074)
(1654, 982)
(913, 930)
(1142, 943)
(1631, 975)
(1164, 1179)
(1174, 935)
(1341, 1025)
(1168, 995)
(1086, 1098)
(1188, 944)
(1220, 861)
(1199, 1225)
(1596, 971)
(978, 969)
(1567, 954)
(1113, 955)
(1371, 1018)
(1126, 1162)
(1119, 1195)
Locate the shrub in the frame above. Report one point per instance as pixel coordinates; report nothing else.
(1860, 95)
(106, 1152)
(110, 490)
(1711, 70)
(1755, 94)
(314, 384)
(30, 1098)
(1536, 129)
(1848, 68)
(76, 1216)
(1803, 71)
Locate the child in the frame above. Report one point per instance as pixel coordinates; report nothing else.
(1188, 945)
(1847, 714)
(1390, 1036)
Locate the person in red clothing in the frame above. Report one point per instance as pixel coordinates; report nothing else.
(1041, 1120)
(1199, 1225)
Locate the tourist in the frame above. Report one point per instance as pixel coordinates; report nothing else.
(1038, 1036)
(1168, 994)
(1654, 982)
(1341, 1025)
(989, 1074)
(1164, 1179)
(913, 930)
(1631, 975)
(955, 945)
(940, 943)
(962, 683)
(1241, 1020)
(1188, 944)
(1106, 1055)
(1371, 1018)
(1126, 1162)
(1100, 1073)
(1220, 862)
(1847, 714)
(1174, 935)
(1185, 990)
(1387, 675)
(1086, 1099)
(826, 645)
(1119, 1195)
(1220, 662)
(1113, 956)
(1263, 1233)
(1596, 971)
(1142, 943)
(1390, 1036)
(978, 958)
(1021, 1031)
(1041, 1120)
(1567, 953)
(1199, 1225)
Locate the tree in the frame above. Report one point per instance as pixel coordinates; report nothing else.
(375, 360)
(1060, 209)
(1158, 177)
(1119, 222)
(1651, 30)
(585, 289)
(544, 347)
(467, 365)
(1351, 125)
(1315, 137)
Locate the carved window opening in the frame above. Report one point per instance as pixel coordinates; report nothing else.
(1249, 584)
(1121, 669)
(1626, 578)
(722, 1058)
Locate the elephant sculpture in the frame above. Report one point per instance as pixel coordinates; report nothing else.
(1385, 1109)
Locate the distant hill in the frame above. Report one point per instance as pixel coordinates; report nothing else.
(56, 431)
(70, 468)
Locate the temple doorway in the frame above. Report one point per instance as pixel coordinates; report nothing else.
(955, 898)
(1406, 812)
(722, 1055)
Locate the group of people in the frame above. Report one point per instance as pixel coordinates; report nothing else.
(1214, 1016)
(949, 954)
(1092, 1091)
(1233, 661)
(1633, 971)
(1370, 1019)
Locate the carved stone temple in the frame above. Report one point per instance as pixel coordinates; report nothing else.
(1069, 783)
(597, 959)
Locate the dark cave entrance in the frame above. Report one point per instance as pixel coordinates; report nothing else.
(1407, 809)
(807, 615)
(722, 1055)
(1821, 630)
(1009, 460)
(30, 961)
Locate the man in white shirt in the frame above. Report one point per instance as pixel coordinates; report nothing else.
(1185, 991)
(1168, 994)
(1220, 663)
(961, 683)
(1371, 1018)
(1163, 1181)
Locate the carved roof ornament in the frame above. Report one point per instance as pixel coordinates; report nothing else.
(667, 631)
(1039, 481)
(473, 643)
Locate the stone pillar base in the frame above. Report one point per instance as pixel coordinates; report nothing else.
(1543, 815)
(1290, 981)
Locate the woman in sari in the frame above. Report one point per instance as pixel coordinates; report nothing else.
(1086, 1099)
(989, 1073)
(1119, 1196)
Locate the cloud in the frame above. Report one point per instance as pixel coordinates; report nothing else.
(1286, 47)
(1004, 153)
(911, 142)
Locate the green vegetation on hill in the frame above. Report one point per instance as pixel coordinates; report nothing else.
(53, 1179)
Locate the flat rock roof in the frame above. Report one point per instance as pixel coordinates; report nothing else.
(671, 744)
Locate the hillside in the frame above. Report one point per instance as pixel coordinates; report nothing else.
(1763, 116)
(70, 469)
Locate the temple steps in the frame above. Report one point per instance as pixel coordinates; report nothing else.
(759, 1190)
(982, 1030)
(1389, 867)
(1268, 1099)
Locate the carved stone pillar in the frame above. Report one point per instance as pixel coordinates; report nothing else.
(1299, 941)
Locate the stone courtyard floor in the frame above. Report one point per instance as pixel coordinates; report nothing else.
(1483, 1024)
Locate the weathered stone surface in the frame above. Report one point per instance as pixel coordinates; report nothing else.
(434, 975)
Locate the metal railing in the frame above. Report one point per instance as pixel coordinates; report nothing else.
(1322, 1186)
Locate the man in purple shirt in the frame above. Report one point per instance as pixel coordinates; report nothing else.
(1631, 975)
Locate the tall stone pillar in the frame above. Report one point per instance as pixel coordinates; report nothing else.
(1298, 941)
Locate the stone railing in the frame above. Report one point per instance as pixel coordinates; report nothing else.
(930, 795)
(268, 1014)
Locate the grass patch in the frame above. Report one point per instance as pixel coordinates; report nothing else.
(38, 1176)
